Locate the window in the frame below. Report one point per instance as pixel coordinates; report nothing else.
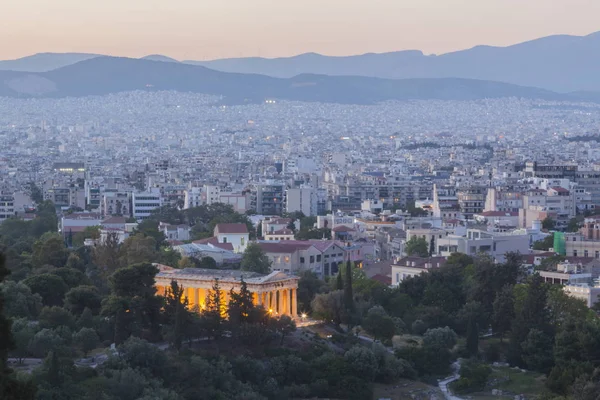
(574, 239)
(312, 259)
(585, 253)
(318, 257)
(597, 254)
(243, 241)
(301, 260)
(574, 253)
(225, 239)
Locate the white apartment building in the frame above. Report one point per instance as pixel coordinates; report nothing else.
(7, 207)
(212, 194)
(495, 244)
(144, 203)
(193, 198)
(302, 199)
(115, 203)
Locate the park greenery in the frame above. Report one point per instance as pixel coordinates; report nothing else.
(66, 304)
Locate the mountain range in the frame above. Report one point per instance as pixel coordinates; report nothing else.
(560, 63)
(104, 75)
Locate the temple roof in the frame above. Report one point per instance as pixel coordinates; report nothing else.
(224, 275)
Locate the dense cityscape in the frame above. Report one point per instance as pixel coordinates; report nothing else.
(306, 212)
(369, 225)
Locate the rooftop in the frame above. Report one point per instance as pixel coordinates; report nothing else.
(232, 228)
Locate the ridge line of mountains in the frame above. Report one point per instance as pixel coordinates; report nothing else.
(558, 68)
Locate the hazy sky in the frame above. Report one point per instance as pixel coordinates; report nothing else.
(206, 29)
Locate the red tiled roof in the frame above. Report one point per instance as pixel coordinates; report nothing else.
(386, 280)
(343, 228)
(559, 189)
(282, 247)
(231, 228)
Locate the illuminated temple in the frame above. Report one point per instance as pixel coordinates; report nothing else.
(276, 291)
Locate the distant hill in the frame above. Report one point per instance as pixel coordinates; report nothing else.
(104, 75)
(560, 63)
(158, 57)
(43, 62)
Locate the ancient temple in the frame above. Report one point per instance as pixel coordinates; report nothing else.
(276, 291)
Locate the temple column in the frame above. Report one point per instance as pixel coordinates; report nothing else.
(286, 302)
(282, 302)
(196, 297)
(293, 310)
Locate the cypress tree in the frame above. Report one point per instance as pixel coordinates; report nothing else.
(472, 337)
(214, 313)
(339, 284)
(348, 295)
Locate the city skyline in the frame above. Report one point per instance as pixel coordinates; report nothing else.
(212, 30)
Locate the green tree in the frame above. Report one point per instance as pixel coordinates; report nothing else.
(213, 314)
(176, 310)
(50, 287)
(444, 338)
(45, 341)
(90, 232)
(348, 294)
(309, 286)
(531, 313)
(82, 297)
(545, 244)
(50, 249)
(106, 254)
(473, 377)
(472, 337)
(573, 225)
(86, 319)
(20, 302)
(74, 262)
(55, 317)
(417, 246)
(140, 354)
(339, 282)
(87, 339)
(535, 351)
(548, 224)
(284, 325)
(35, 193)
(240, 305)
(503, 311)
(379, 324)
(22, 332)
(137, 249)
(362, 362)
(255, 259)
(133, 304)
(329, 306)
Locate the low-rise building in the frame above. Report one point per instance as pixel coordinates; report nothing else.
(409, 267)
